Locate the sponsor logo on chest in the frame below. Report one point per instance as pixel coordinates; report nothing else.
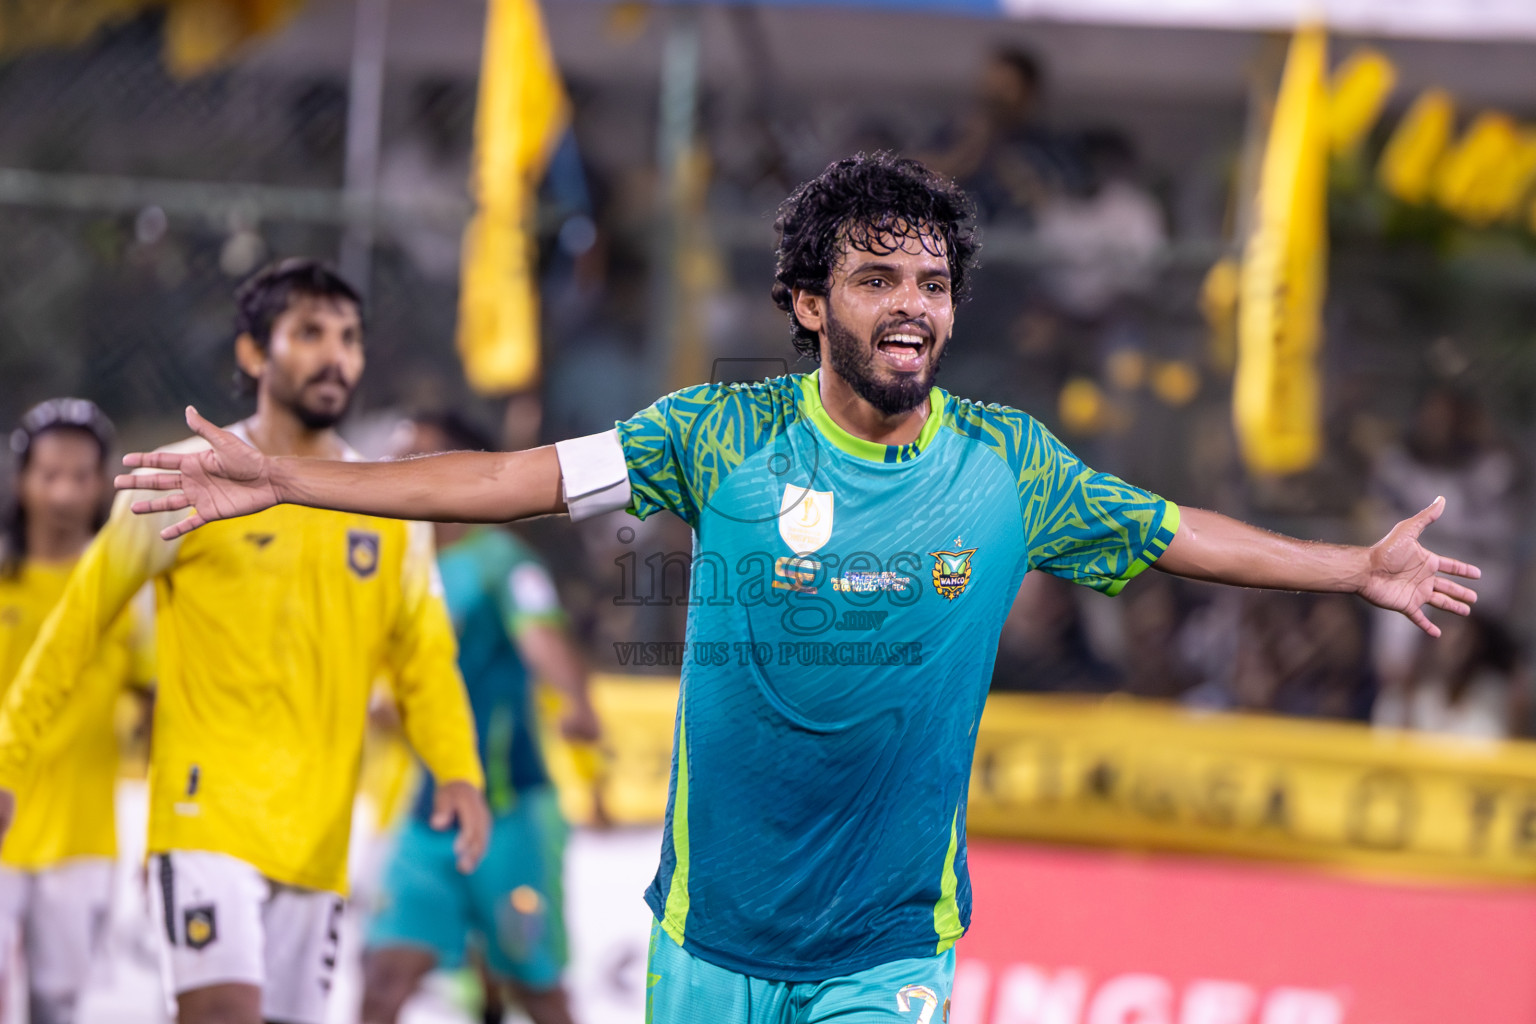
(805, 524)
(805, 518)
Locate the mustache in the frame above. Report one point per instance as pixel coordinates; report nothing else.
(330, 375)
(920, 327)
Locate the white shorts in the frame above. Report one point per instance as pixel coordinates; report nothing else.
(223, 923)
(58, 916)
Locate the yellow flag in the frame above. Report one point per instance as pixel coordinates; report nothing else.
(520, 115)
(1510, 180)
(1458, 180)
(1277, 394)
(1360, 89)
(1484, 177)
(1408, 163)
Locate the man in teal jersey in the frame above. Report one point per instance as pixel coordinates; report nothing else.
(859, 537)
(511, 908)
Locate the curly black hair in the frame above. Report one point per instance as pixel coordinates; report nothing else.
(867, 201)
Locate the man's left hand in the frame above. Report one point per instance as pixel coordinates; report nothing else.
(1404, 576)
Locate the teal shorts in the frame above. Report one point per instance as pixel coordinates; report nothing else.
(512, 908)
(682, 989)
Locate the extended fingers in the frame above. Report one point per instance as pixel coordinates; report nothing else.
(201, 427)
(1429, 514)
(1449, 604)
(1455, 590)
(169, 503)
(183, 526)
(1422, 621)
(147, 481)
(153, 460)
(1466, 570)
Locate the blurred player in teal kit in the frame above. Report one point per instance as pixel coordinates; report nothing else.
(813, 863)
(510, 910)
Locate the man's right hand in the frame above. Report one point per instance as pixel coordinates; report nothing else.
(7, 812)
(229, 479)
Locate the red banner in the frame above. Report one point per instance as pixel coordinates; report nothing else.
(1079, 937)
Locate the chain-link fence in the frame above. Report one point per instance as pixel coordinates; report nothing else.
(133, 202)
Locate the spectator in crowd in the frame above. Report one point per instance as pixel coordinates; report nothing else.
(1001, 154)
(1151, 614)
(1307, 658)
(1044, 644)
(427, 170)
(1101, 247)
(1473, 683)
(1450, 450)
(317, 123)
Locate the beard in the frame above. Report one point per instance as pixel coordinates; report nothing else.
(320, 419)
(853, 359)
(311, 416)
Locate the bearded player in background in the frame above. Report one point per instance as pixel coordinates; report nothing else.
(56, 867)
(271, 633)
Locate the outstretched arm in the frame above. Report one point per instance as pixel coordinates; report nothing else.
(1396, 573)
(233, 479)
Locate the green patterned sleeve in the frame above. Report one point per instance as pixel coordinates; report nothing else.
(681, 447)
(1088, 527)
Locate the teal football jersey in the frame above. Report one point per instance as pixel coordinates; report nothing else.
(845, 608)
(494, 586)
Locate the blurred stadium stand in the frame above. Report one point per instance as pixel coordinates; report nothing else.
(132, 200)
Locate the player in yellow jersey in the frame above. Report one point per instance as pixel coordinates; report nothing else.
(56, 865)
(271, 633)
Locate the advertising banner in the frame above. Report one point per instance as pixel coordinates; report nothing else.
(1140, 775)
(1143, 775)
(1090, 937)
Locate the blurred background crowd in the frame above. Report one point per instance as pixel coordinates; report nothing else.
(1104, 161)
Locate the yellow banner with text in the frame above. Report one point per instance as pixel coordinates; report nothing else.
(1142, 775)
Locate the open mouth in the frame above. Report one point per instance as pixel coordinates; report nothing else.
(329, 391)
(903, 350)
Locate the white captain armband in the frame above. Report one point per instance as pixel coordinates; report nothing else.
(593, 474)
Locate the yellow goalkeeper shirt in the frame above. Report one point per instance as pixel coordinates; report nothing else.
(271, 630)
(65, 805)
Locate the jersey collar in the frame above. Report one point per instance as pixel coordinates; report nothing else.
(810, 397)
(348, 453)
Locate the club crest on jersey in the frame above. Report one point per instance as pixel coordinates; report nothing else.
(362, 552)
(201, 926)
(951, 572)
(805, 518)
